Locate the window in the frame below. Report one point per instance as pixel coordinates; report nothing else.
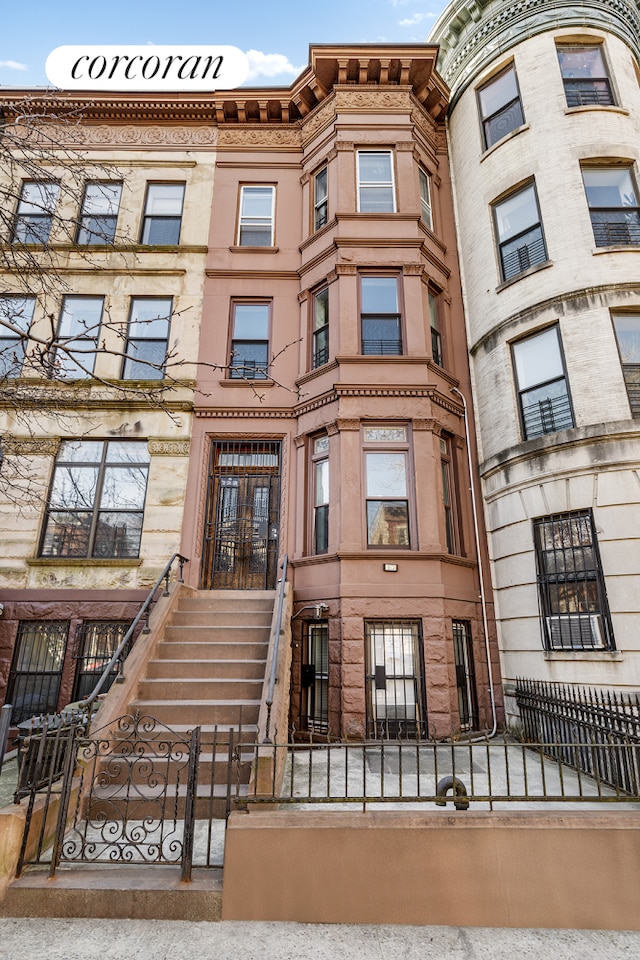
(315, 678)
(96, 502)
(380, 315)
(451, 520)
(425, 198)
(255, 228)
(465, 675)
(36, 670)
(320, 475)
(147, 338)
(34, 215)
(520, 238)
(95, 643)
(436, 338)
(627, 327)
(395, 680)
(387, 498)
(16, 314)
(250, 341)
(320, 333)
(78, 332)
(162, 214)
(500, 106)
(613, 205)
(376, 192)
(321, 198)
(570, 583)
(543, 394)
(99, 213)
(584, 75)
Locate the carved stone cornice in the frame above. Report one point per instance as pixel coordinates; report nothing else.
(244, 413)
(352, 98)
(118, 135)
(169, 448)
(350, 424)
(256, 136)
(321, 117)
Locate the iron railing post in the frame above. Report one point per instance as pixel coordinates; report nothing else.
(5, 723)
(190, 805)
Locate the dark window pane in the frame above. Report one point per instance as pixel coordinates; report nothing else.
(161, 231)
(387, 523)
(118, 535)
(249, 360)
(96, 230)
(322, 529)
(67, 534)
(146, 360)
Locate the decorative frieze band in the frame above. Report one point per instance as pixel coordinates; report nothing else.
(121, 135)
(169, 448)
(30, 446)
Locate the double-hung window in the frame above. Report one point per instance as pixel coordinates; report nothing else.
(543, 393)
(434, 320)
(426, 212)
(99, 213)
(386, 458)
(321, 198)
(451, 519)
(381, 327)
(584, 75)
(162, 214)
(376, 188)
(78, 333)
(250, 341)
(500, 106)
(256, 221)
(96, 502)
(147, 338)
(34, 215)
(519, 229)
(16, 314)
(571, 584)
(627, 328)
(320, 474)
(613, 205)
(320, 332)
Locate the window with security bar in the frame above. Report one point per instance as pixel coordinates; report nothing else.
(543, 391)
(36, 669)
(521, 242)
(571, 585)
(584, 75)
(500, 106)
(96, 642)
(465, 675)
(380, 317)
(612, 196)
(315, 678)
(395, 680)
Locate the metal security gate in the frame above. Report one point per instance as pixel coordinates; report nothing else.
(395, 680)
(243, 513)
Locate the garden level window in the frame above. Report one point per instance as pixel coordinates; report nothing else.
(320, 198)
(36, 670)
(376, 190)
(96, 501)
(519, 229)
(315, 678)
(543, 394)
(500, 106)
(99, 214)
(573, 599)
(465, 675)
(584, 75)
(426, 213)
(627, 328)
(380, 316)
(250, 341)
(255, 226)
(96, 642)
(395, 680)
(16, 314)
(78, 333)
(320, 473)
(613, 205)
(386, 482)
(34, 215)
(163, 214)
(320, 333)
(147, 338)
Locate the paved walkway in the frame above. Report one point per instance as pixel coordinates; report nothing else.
(166, 940)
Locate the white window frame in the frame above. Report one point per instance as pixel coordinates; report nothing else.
(373, 184)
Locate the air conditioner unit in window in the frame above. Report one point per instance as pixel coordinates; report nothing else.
(575, 631)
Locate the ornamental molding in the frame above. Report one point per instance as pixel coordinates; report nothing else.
(347, 424)
(247, 413)
(169, 448)
(372, 99)
(121, 135)
(346, 269)
(316, 121)
(259, 137)
(30, 446)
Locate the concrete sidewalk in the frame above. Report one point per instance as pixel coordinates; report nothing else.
(165, 940)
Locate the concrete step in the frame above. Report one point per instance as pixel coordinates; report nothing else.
(217, 634)
(196, 712)
(119, 892)
(200, 688)
(206, 669)
(211, 650)
(213, 618)
(117, 804)
(214, 769)
(229, 599)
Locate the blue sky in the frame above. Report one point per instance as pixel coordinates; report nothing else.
(277, 31)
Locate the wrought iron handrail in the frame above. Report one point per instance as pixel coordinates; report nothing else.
(276, 644)
(143, 612)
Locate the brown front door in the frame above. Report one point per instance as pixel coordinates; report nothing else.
(241, 528)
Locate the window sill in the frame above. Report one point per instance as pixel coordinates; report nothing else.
(248, 249)
(596, 655)
(83, 561)
(503, 140)
(599, 107)
(525, 273)
(242, 382)
(617, 248)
